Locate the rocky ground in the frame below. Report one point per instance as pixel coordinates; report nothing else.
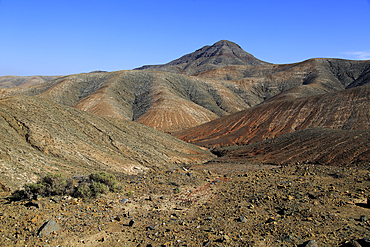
(283, 206)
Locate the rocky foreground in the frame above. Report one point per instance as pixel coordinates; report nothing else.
(302, 205)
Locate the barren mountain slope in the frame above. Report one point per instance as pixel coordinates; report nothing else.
(364, 79)
(172, 102)
(256, 84)
(314, 146)
(16, 81)
(176, 101)
(347, 109)
(38, 136)
(221, 54)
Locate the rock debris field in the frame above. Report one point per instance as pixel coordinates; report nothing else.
(300, 205)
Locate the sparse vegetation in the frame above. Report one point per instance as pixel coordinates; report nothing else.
(104, 178)
(84, 186)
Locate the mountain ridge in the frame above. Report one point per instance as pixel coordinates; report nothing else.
(144, 96)
(220, 54)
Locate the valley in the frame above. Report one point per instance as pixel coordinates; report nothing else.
(216, 148)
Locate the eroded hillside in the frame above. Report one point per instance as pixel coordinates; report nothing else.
(347, 109)
(40, 137)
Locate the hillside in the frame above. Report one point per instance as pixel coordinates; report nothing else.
(177, 101)
(281, 154)
(17, 81)
(310, 146)
(347, 109)
(310, 77)
(221, 54)
(40, 137)
(173, 102)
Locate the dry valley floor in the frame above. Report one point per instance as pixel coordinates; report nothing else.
(284, 206)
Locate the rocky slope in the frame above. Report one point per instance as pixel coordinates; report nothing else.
(16, 81)
(315, 146)
(176, 101)
(347, 109)
(221, 54)
(171, 101)
(289, 206)
(256, 84)
(40, 137)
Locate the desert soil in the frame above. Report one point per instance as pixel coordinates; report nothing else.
(282, 206)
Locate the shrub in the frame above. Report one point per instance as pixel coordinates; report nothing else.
(99, 188)
(53, 184)
(34, 189)
(83, 191)
(104, 178)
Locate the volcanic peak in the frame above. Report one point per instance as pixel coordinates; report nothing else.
(221, 54)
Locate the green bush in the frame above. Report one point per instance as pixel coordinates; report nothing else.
(53, 184)
(99, 188)
(104, 178)
(83, 191)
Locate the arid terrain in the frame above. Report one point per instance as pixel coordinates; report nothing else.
(216, 148)
(283, 206)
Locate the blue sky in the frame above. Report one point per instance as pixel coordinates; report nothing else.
(55, 37)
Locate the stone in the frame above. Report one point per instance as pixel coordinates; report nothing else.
(363, 218)
(353, 243)
(48, 227)
(150, 227)
(226, 238)
(243, 219)
(311, 243)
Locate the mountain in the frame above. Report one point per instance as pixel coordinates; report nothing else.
(221, 54)
(172, 102)
(310, 77)
(257, 101)
(162, 100)
(17, 81)
(40, 137)
(346, 109)
(310, 146)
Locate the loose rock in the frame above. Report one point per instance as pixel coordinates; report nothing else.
(243, 219)
(311, 243)
(48, 227)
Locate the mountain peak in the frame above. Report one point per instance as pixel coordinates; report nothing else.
(225, 42)
(221, 54)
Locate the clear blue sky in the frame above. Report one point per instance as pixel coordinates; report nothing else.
(60, 37)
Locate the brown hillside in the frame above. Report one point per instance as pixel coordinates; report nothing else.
(17, 81)
(173, 102)
(312, 146)
(177, 101)
(347, 109)
(38, 137)
(256, 84)
(221, 54)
